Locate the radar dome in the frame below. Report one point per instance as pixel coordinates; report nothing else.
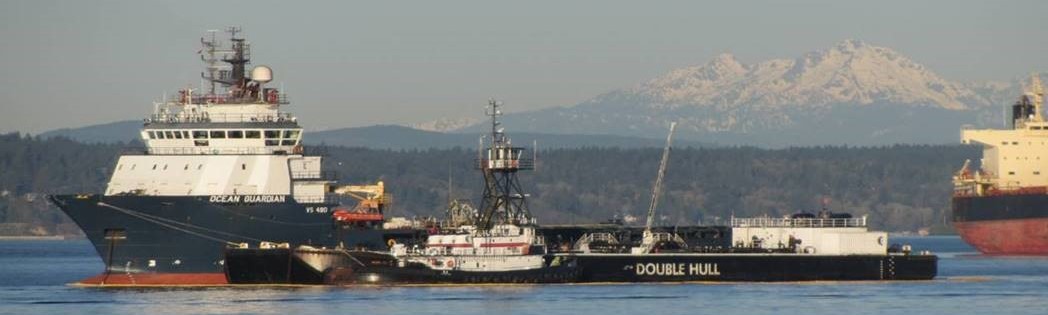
(262, 74)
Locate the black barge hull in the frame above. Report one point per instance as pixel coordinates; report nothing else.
(675, 267)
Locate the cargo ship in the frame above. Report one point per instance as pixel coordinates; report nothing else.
(222, 165)
(1000, 207)
(499, 244)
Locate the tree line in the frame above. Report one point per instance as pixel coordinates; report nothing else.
(900, 188)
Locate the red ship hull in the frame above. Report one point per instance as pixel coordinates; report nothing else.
(1014, 223)
(155, 279)
(1006, 237)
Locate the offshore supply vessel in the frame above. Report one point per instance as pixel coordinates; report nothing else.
(1001, 207)
(221, 167)
(499, 244)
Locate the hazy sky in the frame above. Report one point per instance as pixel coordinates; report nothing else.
(344, 64)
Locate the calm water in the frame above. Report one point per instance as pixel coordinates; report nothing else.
(33, 275)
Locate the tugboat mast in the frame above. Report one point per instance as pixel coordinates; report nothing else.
(504, 199)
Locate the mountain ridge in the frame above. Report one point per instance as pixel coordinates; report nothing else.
(851, 93)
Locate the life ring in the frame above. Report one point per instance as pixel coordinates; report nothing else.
(450, 263)
(391, 242)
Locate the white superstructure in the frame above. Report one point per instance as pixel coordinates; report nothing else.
(231, 140)
(824, 236)
(503, 247)
(1012, 158)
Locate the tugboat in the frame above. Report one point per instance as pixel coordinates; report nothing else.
(500, 244)
(221, 167)
(1001, 208)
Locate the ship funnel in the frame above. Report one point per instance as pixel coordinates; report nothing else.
(261, 74)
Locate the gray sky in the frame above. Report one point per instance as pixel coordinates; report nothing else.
(344, 64)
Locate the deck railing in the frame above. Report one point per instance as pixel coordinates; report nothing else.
(216, 118)
(799, 222)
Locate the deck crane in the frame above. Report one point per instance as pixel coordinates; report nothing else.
(650, 239)
(372, 201)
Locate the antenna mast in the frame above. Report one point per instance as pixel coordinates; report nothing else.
(1038, 97)
(504, 199)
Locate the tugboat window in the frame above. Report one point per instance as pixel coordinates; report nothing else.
(252, 134)
(236, 134)
(218, 134)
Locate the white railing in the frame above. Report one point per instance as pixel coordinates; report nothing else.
(185, 117)
(217, 150)
(799, 222)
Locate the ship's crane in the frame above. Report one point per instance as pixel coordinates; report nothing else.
(372, 202)
(650, 239)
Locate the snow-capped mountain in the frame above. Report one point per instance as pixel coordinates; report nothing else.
(850, 72)
(850, 94)
(446, 124)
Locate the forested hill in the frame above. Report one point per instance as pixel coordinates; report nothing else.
(902, 188)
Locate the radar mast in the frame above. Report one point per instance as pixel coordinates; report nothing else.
(503, 201)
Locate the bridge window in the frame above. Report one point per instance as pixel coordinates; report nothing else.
(252, 134)
(178, 135)
(236, 134)
(185, 134)
(1036, 127)
(218, 134)
(291, 134)
(272, 134)
(200, 143)
(169, 135)
(272, 142)
(152, 135)
(1015, 142)
(288, 142)
(199, 134)
(1011, 173)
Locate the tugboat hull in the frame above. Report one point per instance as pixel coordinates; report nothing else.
(346, 267)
